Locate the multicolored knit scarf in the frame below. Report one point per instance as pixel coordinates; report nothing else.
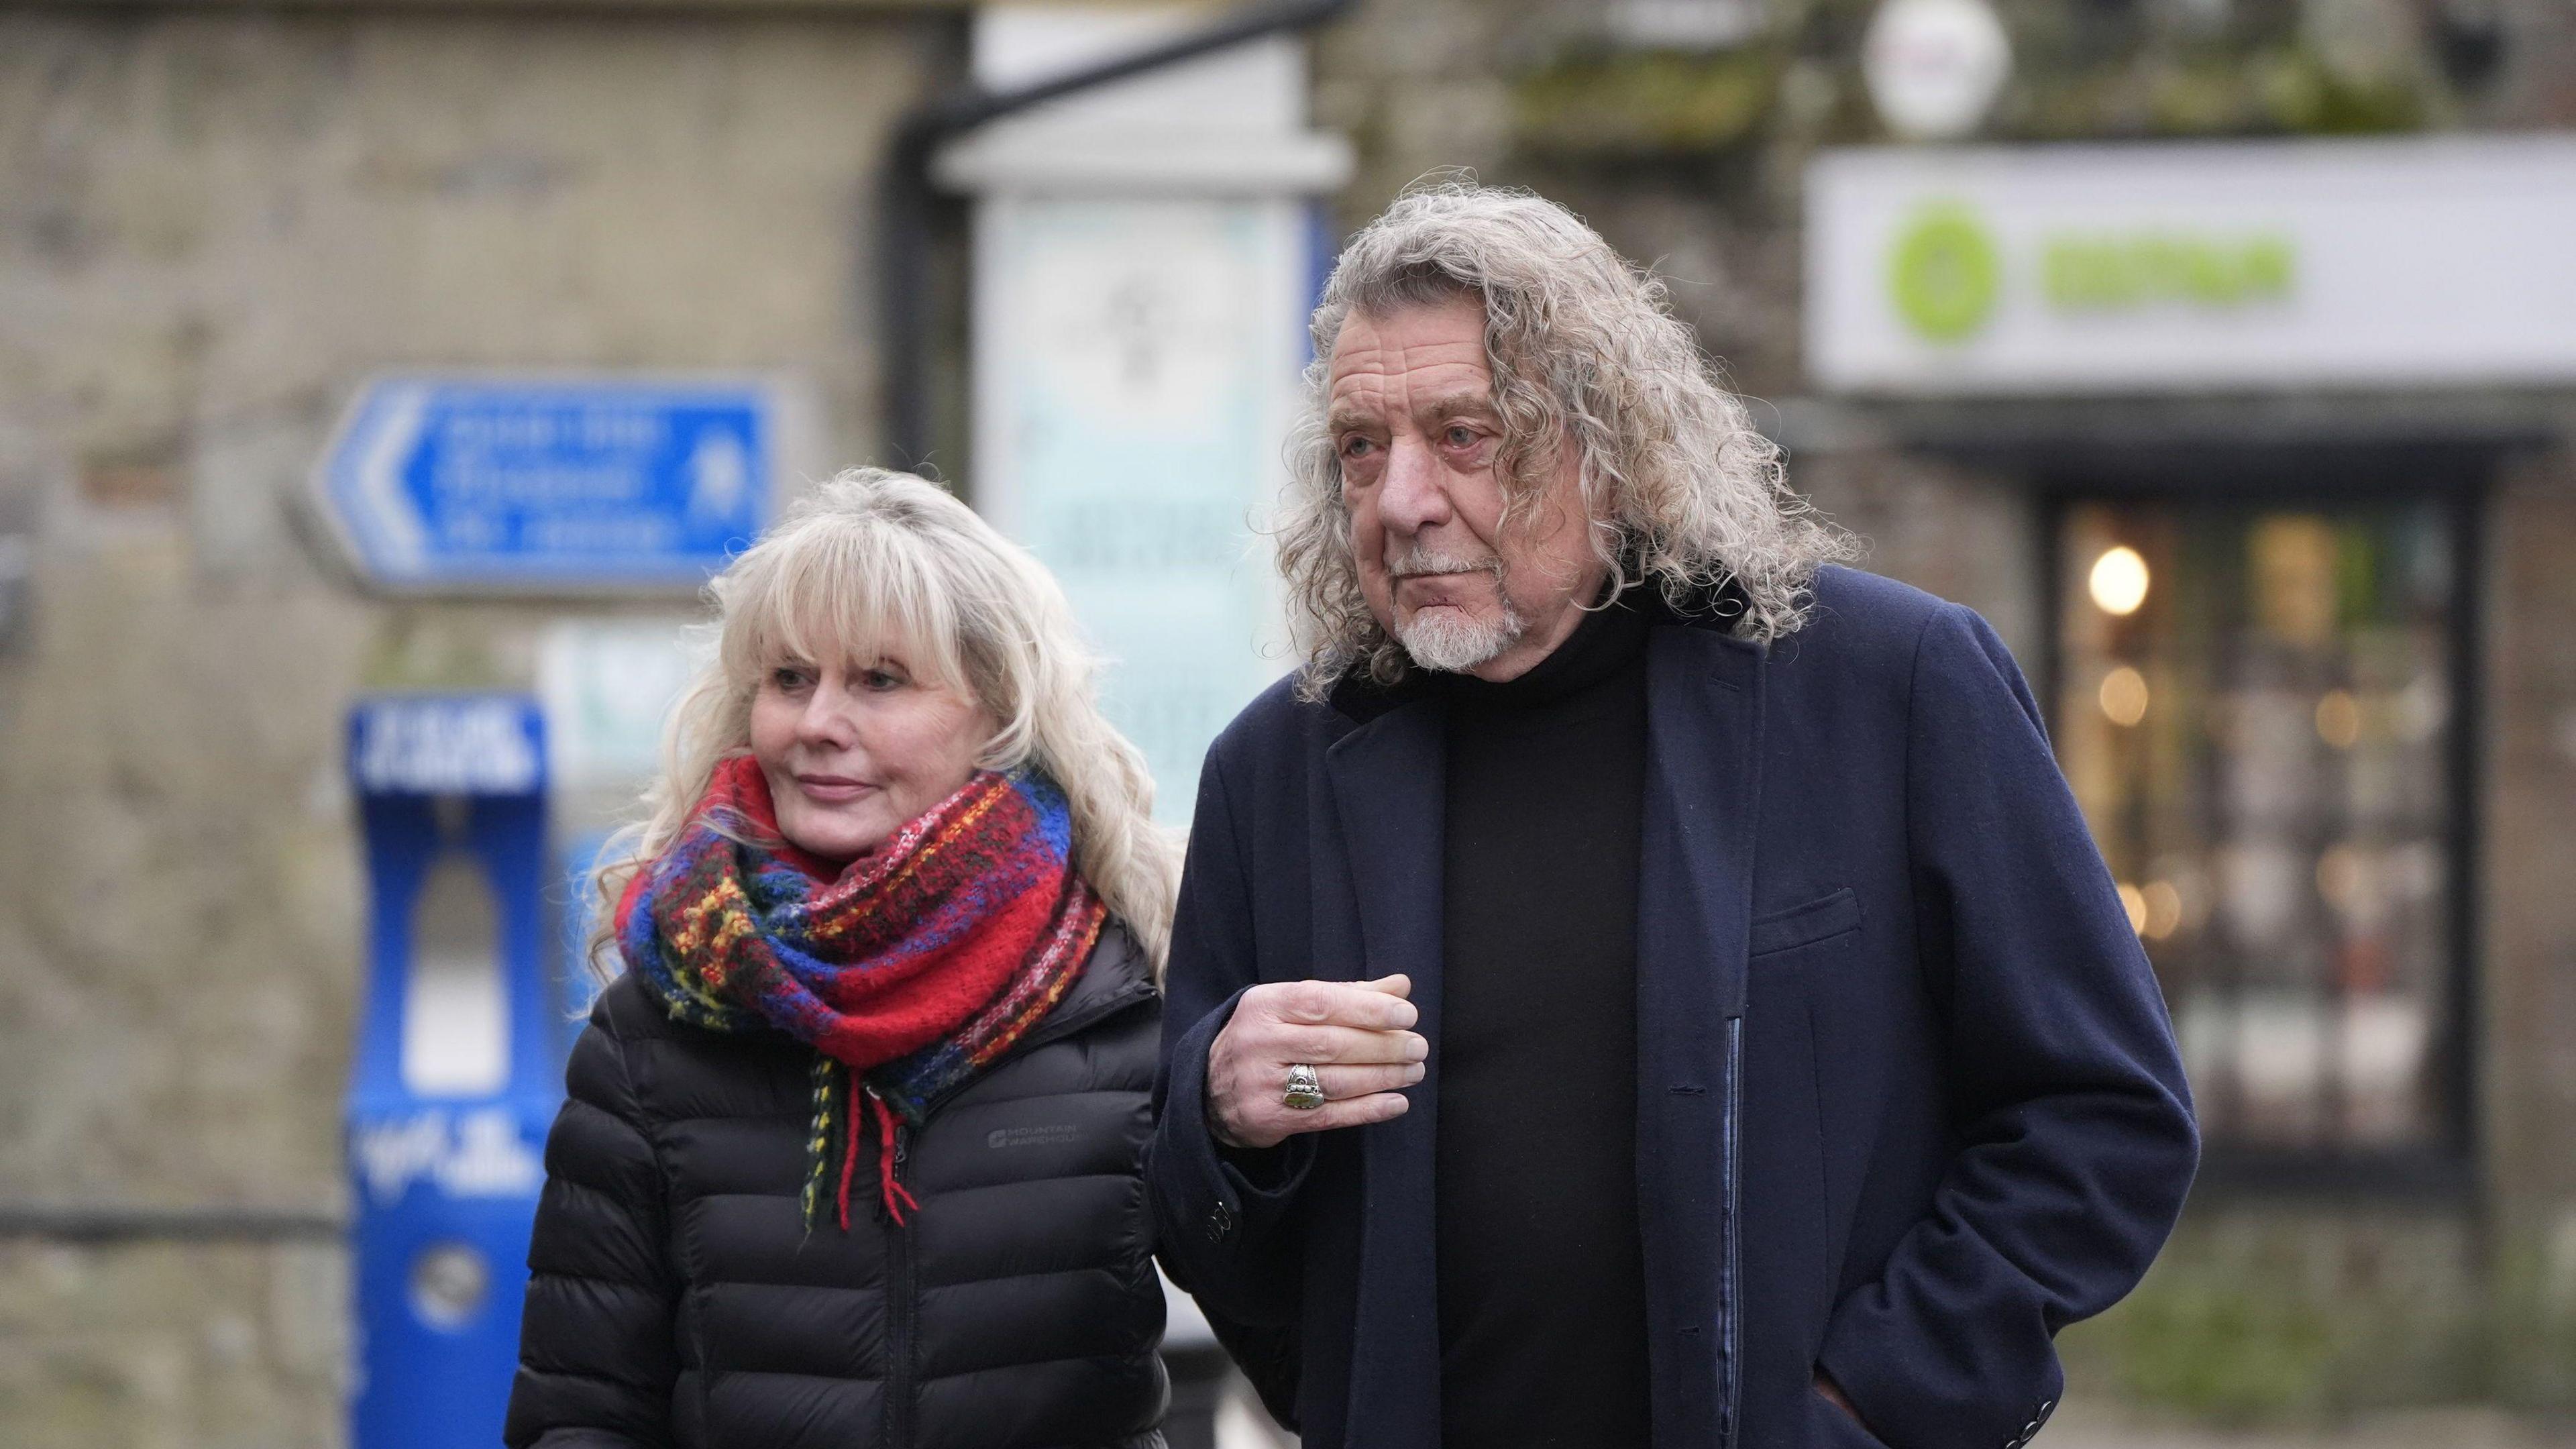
(912, 969)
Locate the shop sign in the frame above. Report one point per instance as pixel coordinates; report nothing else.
(2183, 268)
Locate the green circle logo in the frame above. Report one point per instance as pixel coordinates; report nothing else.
(1944, 272)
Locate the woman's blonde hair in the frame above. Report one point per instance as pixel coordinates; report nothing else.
(875, 557)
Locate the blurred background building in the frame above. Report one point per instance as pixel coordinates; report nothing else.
(2222, 352)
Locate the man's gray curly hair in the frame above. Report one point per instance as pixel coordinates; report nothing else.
(1584, 348)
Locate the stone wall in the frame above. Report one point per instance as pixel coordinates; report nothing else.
(173, 1346)
(212, 225)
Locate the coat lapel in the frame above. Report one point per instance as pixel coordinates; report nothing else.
(1388, 785)
(1694, 908)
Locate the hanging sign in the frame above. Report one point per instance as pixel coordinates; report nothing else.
(1933, 67)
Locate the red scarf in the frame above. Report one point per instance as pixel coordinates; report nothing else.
(915, 966)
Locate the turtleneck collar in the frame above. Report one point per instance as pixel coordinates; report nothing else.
(1609, 639)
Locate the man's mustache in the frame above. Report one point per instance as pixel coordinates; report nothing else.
(1418, 561)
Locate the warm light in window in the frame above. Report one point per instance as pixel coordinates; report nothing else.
(2134, 901)
(2124, 696)
(2163, 909)
(2119, 581)
(2341, 877)
(2339, 719)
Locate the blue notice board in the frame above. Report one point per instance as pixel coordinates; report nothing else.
(574, 483)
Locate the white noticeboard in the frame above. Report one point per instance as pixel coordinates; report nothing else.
(1136, 363)
(2192, 267)
(1144, 266)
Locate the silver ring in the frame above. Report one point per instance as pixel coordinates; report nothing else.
(1305, 1090)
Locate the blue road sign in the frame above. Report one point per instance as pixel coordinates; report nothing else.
(552, 484)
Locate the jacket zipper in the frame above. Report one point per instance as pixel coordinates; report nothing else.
(900, 1289)
(899, 1292)
(1727, 1314)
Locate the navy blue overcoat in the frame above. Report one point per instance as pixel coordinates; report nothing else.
(1907, 1098)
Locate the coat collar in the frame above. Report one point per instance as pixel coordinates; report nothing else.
(1389, 780)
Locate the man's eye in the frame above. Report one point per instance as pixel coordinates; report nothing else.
(1460, 435)
(1354, 447)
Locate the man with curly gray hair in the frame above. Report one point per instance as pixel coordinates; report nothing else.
(1641, 981)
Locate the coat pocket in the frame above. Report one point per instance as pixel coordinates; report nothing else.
(1818, 920)
(1829, 1426)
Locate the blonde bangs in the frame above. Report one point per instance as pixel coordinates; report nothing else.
(848, 595)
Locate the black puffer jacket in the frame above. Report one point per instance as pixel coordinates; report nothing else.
(677, 1300)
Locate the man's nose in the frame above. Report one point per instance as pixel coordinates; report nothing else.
(1414, 496)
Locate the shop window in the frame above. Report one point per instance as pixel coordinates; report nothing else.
(2256, 708)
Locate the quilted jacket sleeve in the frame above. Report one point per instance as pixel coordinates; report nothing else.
(596, 1362)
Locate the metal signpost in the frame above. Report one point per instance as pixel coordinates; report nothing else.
(555, 484)
(459, 1064)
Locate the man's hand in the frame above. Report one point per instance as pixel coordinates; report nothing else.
(1833, 1394)
(1356, 1035)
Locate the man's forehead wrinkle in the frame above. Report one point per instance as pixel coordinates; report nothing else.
(1375, 358)
(1424, 355)
(1436, 379)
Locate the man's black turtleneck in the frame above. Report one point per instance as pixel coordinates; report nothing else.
(1542, 1281)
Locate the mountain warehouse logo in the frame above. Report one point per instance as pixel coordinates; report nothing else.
(1030, 1136)
(1947, 271)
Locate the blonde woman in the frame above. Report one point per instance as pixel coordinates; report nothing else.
(853, 1148)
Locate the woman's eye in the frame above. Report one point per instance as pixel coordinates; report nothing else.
(880, 679)
(788, 678)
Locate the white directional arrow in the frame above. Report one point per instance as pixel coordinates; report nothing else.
(393, 525)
